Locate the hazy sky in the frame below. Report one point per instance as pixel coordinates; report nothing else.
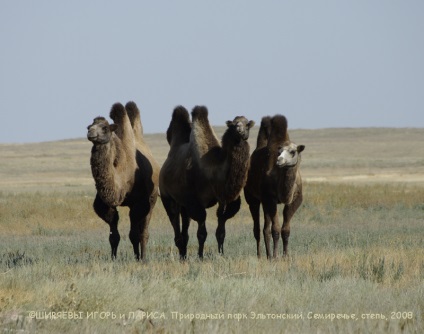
(321, 63)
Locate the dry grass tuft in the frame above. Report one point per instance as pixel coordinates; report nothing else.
(356, 247)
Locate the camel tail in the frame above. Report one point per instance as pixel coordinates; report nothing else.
(264, 132)
(179, 129)
(135, 119)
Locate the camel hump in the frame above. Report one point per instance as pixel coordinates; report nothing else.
(117, 113)
(133, 112)
(200, 113)
(264, 132)
(180, 115)
(203, 137)
(278, 131)
(134, 116)
(179, 129)
(120, 117)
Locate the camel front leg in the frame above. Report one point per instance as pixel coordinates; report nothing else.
(114, 236)
(198, 213)
(173, 212)
(201, 237)
(111, 217)
(220, 230)
(275, 233)
(267, 234)
(225, 212)
(135, 233)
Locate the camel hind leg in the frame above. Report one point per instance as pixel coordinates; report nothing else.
(254, 206)
(271, 227)
(173, 211)
(111, 217)
(224, 213)
(288, 212)
(198, 213)
(144, 235)
(184, 234)
(139, 233)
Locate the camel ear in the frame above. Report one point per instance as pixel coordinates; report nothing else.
(250, 124)
(229, 123)
(113, 127)
(300, 148)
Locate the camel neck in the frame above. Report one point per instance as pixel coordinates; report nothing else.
(103, 161)
(286, 181)
(238, 166)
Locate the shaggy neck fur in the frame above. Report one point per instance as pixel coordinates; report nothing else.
(225, 165)
(236, 154)
(287, 182)
(104, 160)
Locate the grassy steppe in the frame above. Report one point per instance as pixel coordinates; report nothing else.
(356, 248)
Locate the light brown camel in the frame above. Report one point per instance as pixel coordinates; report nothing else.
(125, 174)
(200, 172)
(274, 178)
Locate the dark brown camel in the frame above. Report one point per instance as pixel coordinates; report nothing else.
(125, 174)
(274, 178)
(199, 172)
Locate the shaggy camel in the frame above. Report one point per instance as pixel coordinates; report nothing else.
(199, 172)
(274, 178)
(125, 174)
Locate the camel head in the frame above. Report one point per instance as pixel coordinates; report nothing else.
(240, 127)
(289, 155)
(100, 132)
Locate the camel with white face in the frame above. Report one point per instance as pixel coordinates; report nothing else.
(274, 178)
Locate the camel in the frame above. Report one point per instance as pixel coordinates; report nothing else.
(125, 174)
(274, 178)
(199, 172)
